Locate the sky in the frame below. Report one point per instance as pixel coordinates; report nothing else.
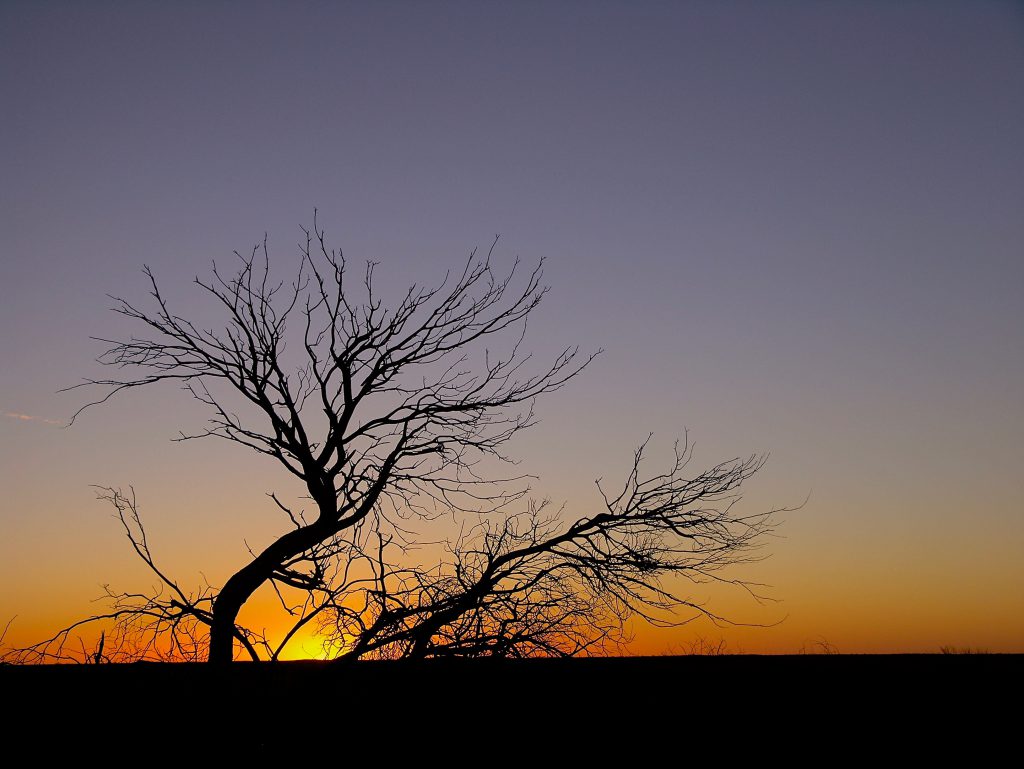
(794, 228)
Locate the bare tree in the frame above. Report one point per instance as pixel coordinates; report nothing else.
(534, 584)
(391, 417)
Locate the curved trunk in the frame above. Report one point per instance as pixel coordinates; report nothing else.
(244, 582)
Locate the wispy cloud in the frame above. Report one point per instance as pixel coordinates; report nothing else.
(29, 418)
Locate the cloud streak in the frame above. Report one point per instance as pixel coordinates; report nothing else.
(29, 418)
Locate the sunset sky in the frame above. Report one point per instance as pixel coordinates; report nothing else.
(795, 228)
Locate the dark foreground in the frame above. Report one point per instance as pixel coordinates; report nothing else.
(584, 708)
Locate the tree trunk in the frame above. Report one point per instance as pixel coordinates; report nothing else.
(222, 633)
(247, 580)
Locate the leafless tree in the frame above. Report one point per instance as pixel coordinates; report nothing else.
(535, 584)
(391, 417)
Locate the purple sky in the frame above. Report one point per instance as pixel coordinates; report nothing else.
(793, 227)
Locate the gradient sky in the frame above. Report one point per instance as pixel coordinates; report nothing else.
(795, 228)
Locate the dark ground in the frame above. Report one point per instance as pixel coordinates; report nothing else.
(581, 708)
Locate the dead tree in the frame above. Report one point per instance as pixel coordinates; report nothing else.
(390, 416)
(536, 584)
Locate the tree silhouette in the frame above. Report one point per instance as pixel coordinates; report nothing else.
(393, 417)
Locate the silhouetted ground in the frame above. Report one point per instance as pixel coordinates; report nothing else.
(581, 708)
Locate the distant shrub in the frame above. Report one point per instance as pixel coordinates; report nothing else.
(963, 650)
(820, 645)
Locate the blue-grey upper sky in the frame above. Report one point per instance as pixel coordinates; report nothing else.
(794, 227)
